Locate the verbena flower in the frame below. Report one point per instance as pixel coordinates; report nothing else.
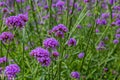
(55, 54)
(101, 22)
(11, 71)
(71, 42)
(60, 27)
(6, 37)
(81, 55)
(19, 1)
(117, 36)
(118, 22)
(59, 30)
(17, 21)
(42, 55)
(101, 45)
(3, 60)
(2, 4)
(116, 41)
(75, 75)
(60, 4)
(44, 61)
(50, 43)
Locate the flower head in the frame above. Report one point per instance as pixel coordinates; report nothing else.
(3, 60)
(17, 21)
(50, 43)
(75, 75)
(42, 55)
(6, 37)
(11, 71)
(81, 55)
(71, 42)
(60, 4)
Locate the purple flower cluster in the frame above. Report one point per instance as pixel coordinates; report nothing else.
(42, 55)
(6, 37)
(75, 75)
(2, 4)
(17, 21)
(3, 60)
(81, 55)
(101, 21)
(55, 54)
(60, 4)
(118, 22)
(101, 45)
(71, 42)
(50, 43)
(11, 71)
(19, 1)
(59, 30)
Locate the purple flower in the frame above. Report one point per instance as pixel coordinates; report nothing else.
(97, 31)
(79, 26)
(6, 37)
(116, 41)
(44, 61)
(101, 45)
(117, 36)
(2, 4)
(46, 7)
(24, 17)
(81, 55)
(118, 30)
(60, 4)
(4, 10)
(39, 52)
(71, 42)
(60, 27)
(101, 22)
(75, 75)
(105, 69)
(112, 2)
(86, 1)
(50, 43)
(59, 30)
(105, 15)
(118, 22)
(59, 34)
(3, 60)
(17, 21)
(11, 71)
(42, 55)
(55, 54)
(19, 1)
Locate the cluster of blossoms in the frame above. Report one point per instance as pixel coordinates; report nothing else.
(59, 30)
(75, 75)
(117, 36)
(50, 43)
(101, 45)
(60, 4)
(101, 21)
(6, 37)
(81, 55)
(3, 60)
(71, 42)
(17, 21)
(42, 55)
(11, 71)
(19, 1)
